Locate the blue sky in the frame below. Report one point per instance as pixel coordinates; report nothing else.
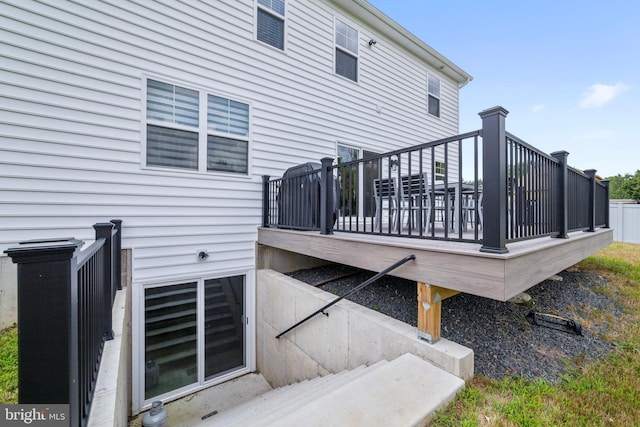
(567, 71)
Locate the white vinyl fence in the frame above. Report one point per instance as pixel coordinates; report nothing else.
(624, 218)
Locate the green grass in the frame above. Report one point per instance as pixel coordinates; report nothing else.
(9, 365)
(601, 393)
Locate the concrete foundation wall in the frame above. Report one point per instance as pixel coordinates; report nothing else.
(284, 261)
(8, 292)
(112, 399)
(350, 336)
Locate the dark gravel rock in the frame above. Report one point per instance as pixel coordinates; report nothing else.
(504, 342)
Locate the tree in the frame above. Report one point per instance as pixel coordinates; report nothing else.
(625, 186)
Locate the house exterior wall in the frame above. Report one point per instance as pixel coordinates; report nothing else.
(72, 112)
(71, 106)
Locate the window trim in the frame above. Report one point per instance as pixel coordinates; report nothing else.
(438, 97)
(437, 167)
(202, 130)
(351, 25)
(271, 12)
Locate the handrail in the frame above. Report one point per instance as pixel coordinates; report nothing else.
(352, 291)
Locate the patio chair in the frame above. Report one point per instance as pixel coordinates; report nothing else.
(469, 207)
(387, 200)
(417, 200)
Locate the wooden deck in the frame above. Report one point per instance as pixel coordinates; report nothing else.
(441, 268)
(452, 265)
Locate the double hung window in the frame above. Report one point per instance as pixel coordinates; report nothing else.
(433, 95)
(346, 51)
(194, 130)
(270, 22)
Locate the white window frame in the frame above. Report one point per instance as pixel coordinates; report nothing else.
(440, 170)
(203, 130)
(436, 96)
(139, 403)
(343, 49)
(277, 15)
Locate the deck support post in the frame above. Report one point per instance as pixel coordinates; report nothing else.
(494, 180)
(326, 196)
(607, 220)
(591, 173)
(562, 187)
(429, 310)
(265, 200)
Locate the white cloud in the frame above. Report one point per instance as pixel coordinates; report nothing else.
(598, 95)
(596, 134)
(537, 108)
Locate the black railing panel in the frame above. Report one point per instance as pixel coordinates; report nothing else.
(401, 193)
(532, 191)
(486, 186)
(68, 293)
(602, 205)
(579, 188)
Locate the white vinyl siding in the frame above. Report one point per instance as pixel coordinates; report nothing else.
(346, 60)
(72, 133)
(270, 22)
(74, 120)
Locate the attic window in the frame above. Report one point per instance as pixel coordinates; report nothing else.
(346, 51)
(433, 95)
(270, 22)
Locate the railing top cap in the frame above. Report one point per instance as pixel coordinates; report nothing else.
(493, 110)
(45, 248)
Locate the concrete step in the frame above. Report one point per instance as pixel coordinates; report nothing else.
(273, 404)
(404, 392)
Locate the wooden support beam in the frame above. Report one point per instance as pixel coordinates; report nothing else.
(429, 310)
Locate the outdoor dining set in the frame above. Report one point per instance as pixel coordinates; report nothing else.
(409, 201)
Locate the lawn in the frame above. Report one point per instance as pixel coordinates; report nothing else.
(9, 365)
(601, 393)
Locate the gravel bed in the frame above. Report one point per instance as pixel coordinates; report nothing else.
(503, 341)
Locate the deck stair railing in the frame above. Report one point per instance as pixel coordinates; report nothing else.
(65, 299)
(486, 186)
(361, 286)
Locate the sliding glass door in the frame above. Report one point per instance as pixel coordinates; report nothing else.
(194, 332)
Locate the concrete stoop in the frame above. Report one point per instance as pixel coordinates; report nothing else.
(403, 392)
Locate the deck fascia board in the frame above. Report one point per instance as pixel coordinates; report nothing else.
(452, 265)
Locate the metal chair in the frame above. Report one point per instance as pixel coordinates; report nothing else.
(416, 199)
(469, 207)
(387, 199)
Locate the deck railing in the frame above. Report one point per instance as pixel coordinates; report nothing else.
(486, 186)
(65, 298)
